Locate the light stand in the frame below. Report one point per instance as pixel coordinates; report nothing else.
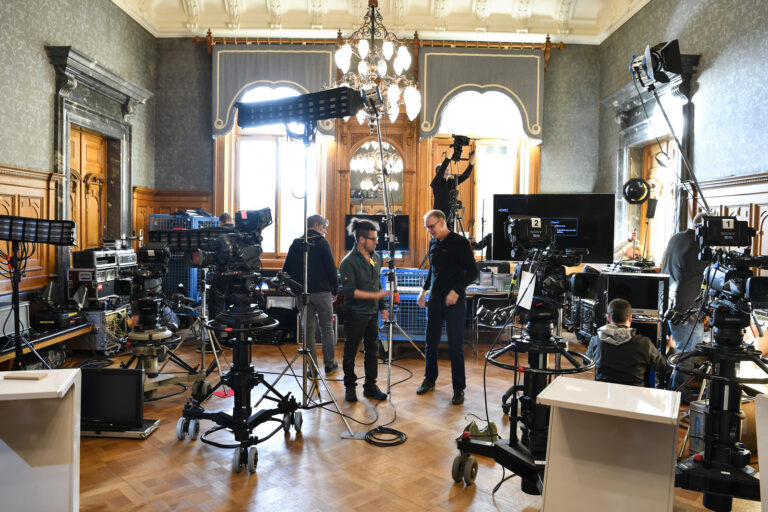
(306, 109)
(20, 231)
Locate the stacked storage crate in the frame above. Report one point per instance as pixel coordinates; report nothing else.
(178, 269)
(411, 318)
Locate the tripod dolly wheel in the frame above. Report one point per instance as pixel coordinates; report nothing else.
(470, 470)
(193, 429)
(200, 390)
(287, 422)
(457, 471)
(238, 459)
(297, 421)
(253, 459)
(181, 428)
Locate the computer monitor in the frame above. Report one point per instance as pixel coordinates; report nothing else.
(401, 231)
(112, 398)
(646, 293)
(581, 221)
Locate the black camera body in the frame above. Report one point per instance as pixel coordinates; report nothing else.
(143, 284)
(459, 141)
(724, 232)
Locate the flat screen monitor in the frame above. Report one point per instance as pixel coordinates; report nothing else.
(644, 292)
(401, 231)
(581, 221)
(112, 398)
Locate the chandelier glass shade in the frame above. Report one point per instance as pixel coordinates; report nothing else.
(367, 159)
(374, 56)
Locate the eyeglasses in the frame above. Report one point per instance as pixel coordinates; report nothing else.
(431, 226)
(374, 238)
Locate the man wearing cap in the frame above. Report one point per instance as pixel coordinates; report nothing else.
(322, 287)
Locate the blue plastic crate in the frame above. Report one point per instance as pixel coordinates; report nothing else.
(178, 270)
(409, 316)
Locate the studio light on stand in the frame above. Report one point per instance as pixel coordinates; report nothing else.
(307, 109)
(25, 233)
(374, 58)
(654, 66)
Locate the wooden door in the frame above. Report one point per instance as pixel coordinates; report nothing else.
(88, 192)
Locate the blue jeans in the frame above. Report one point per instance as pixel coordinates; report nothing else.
(680, 333)
(453, 316)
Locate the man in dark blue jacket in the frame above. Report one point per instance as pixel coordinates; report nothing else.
(322, 288)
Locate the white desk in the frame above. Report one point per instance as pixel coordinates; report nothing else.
(40, 442)
(610, 447)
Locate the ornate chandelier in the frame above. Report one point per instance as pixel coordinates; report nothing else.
(369, 53)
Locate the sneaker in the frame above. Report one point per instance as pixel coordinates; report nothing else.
(458, 397)
(350, 395)
(374, 392)
(426, 386)
(330, 370)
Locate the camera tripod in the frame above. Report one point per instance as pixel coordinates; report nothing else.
(722, 470)
(524, 456)
(241, 321)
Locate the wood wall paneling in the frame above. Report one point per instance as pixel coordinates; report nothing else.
(27, 193)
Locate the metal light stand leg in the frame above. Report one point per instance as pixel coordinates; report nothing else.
(307, 362)
(14, 264)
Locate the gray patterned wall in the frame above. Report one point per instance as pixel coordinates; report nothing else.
(569, 144)
(184, 156)
(730, 97)
(97, 28)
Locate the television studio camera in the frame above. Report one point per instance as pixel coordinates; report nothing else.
(235, 256)
(154, 325)
(459, 141)
(722, 470)
(533, 244)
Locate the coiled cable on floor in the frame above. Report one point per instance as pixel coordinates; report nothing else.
(385, 436)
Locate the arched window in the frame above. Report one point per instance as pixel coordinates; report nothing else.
(503, 163)
(269, 172)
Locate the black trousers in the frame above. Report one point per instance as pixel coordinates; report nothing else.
(357, 328)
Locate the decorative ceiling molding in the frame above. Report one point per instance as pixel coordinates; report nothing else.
(439, 12)
(563, 16)
(234, 9)
(317, 13)
(480, 8)
(530, 21)
(192, 10)
(275, 9)
(521, 12)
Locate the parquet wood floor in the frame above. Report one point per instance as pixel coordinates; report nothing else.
(317, 469)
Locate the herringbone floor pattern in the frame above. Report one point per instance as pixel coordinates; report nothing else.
(317, 469)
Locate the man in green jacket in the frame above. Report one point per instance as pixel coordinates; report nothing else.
(363, 300)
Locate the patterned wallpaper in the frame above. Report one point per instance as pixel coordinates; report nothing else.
(571, 106)
(184, 156)
(97, 28)
(730, 98)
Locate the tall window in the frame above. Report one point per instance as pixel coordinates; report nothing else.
(502, 164)
(270, 169)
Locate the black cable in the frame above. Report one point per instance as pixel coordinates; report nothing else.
(380, 436)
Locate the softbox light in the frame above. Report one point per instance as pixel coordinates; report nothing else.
(307, 108)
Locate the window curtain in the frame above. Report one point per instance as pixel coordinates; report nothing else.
(446, 72)
(235, 69)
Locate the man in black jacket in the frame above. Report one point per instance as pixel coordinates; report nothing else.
(443, 185)
(622, 356)
(322, 288)
(451, 268)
